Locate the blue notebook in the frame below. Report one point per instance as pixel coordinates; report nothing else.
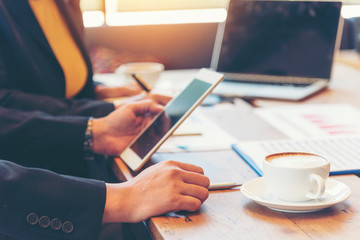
(343, 152)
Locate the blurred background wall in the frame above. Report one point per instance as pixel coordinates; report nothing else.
(180, 34)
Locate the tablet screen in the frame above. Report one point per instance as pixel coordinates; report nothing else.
(172, 113)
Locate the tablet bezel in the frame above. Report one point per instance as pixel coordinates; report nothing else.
(132, 159)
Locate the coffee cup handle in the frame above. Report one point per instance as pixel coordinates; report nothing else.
(320, 182)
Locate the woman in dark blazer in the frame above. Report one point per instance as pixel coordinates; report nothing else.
(38, 126)
(32, 87)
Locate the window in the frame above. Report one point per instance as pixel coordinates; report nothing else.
(142, 12)
(351, 8)
(147, 12)
(93, 12)
(156, 5)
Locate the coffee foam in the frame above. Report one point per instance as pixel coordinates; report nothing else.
(297, 161)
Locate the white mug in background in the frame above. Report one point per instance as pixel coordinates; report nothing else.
(296, 176)
(148, 72)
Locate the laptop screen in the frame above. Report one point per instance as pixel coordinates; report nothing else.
(278, 38)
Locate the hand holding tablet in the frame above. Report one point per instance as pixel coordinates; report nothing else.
(166, 122)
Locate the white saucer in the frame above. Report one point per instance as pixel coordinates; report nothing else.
(257, 190)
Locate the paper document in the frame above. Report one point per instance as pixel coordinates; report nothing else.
(313, 120)
(198, 133)
(343, 152)
(189, 128)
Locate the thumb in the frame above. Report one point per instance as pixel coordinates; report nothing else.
(146, 106)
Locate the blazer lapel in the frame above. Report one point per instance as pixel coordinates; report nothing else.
(21, 12)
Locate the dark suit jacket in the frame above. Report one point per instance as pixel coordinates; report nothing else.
(40, 205)
(27, 62)
(38, 126)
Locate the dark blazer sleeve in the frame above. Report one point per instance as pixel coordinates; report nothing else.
(11, 98)
(45, 132)
(38, 139)
(39, 204)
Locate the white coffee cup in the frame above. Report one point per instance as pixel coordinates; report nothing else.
(296, 176)
(148, 72)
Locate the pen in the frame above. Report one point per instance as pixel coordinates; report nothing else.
(140, 82)
(221, 186)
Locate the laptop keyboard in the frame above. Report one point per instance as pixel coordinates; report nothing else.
(269, 80)
(278, 83)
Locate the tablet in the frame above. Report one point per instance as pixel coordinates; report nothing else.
(167, 121)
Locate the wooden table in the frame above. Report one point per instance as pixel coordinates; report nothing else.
(228, 214)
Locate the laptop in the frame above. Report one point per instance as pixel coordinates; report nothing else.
(277, 49)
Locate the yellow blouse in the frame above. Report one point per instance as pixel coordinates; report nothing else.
(62, 43)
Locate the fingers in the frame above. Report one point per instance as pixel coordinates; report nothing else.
(194, 183)
(125, 91)
(190, 204)
(130, 89)
(187, 166)
(145, 106)
(160, 99)
(195, 191)
(190, 173)
(167, 186)
(155, 108)
(196, 178)
(103, 91)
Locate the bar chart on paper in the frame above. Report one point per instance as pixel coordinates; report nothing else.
(313, 120)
